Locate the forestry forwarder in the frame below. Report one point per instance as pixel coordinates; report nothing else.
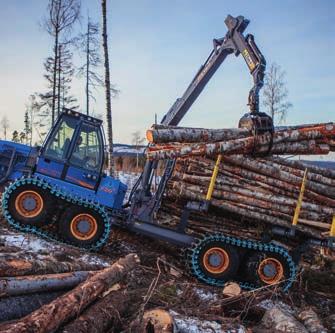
(61, 192)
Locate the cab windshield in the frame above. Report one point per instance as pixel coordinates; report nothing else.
(60, 140)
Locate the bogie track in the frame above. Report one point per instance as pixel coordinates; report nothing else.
(217, 258)
(88, 227)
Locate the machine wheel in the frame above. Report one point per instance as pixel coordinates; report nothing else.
(214, 259)
(266, 269)
(81, 226)
(30, 204)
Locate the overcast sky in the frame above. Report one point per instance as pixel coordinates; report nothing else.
(156, 46)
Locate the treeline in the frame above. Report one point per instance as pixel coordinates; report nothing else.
(69, 41)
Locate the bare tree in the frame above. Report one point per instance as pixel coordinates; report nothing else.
(275, 93)
(89, 43)
(107, 88)
(4, 126)
(137, 141)
(62, 14)
(65, 72)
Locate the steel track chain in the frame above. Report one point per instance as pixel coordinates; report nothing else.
(194, 268)
(59, 194)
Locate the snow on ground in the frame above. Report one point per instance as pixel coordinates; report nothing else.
(205, 295)
(268, 304)
(23, 242)
(31, 243)
(194, 325)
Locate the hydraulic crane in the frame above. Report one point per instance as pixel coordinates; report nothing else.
(144, 203)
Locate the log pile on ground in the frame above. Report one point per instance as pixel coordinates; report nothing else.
(173, 142)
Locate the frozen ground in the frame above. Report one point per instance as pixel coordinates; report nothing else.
(29, 243)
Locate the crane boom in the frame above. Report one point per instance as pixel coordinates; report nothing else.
(234, 42)
(144, 203)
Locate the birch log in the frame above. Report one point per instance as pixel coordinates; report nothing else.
(11, 286)
(262, 190)
(51, 316)
(307, 140)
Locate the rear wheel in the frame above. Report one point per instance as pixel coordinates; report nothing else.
(30, 204)
(81, 226)
(266, 269)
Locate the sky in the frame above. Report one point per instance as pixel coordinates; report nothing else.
(156, 47)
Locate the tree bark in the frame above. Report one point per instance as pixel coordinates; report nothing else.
(107, 89)
(54, 84)
(19, 267)
(254, 189)
(87, 69)
(166, 135)
(51, 316)
(30, 284)
(104, 314)
(309, 140)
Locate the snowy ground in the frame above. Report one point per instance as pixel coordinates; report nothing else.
(31, 244)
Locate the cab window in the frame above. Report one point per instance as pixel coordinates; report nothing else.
(87, 153)
(59, 142)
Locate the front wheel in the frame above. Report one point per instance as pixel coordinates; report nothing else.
(212, 261)
(30, 204)
(81, 226)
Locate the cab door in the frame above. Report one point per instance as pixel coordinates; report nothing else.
(86, 159)
(53, 159)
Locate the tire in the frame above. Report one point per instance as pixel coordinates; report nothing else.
(213, 259)
(81, 226)
(30, 204)
(266, 268)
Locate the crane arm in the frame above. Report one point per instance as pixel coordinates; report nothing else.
(234, 42)
(144, 204)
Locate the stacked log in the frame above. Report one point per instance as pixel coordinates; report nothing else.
(264, 190)
(175, 142)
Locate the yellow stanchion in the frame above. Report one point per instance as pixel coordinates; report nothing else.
(213, 178)
(300, 199)
(332, 228)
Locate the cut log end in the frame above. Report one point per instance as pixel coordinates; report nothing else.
(158, 320)
(149, 135)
